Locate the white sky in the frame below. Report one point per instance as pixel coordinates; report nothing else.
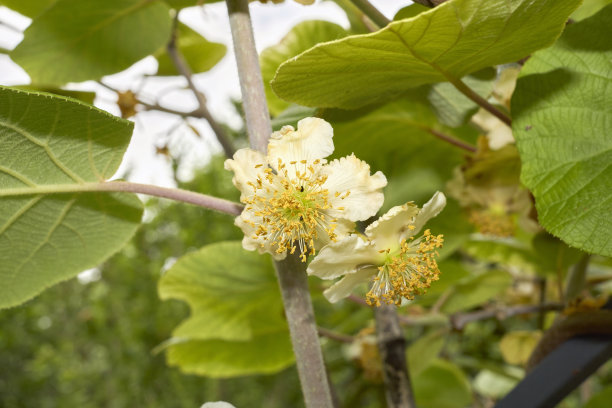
(270, 23)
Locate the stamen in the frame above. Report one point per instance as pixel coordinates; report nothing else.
(409, 272)
(293, 209)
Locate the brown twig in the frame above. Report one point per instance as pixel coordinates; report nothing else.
(459, 320)
(156, 106)
(183, 68)
(429, 3)
(482, 102)
(449, 139)
(392, 348)
(330, 334)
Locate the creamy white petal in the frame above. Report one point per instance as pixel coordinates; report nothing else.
(343, 257)
(243, 166)
(386, 230)
(429, 210)
(351, 186)
(345, 286)
(218, 404)
(343, 229)
(312, 140)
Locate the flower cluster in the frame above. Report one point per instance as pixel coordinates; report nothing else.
(297, 202)
(294, 199)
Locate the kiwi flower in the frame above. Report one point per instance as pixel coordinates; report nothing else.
(294, 199)
(397, 264)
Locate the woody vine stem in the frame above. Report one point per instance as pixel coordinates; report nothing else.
(291, 272)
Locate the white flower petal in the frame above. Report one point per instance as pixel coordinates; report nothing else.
(243, 166)
(386, 231)
(343, 257)
(312, 140)
(343, 229)
(218, 404)
(351, 176)
(429, 210)
(345, 286)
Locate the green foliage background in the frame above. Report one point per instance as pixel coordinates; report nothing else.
(102, 344)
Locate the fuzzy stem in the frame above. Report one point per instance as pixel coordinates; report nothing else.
(372, 12)
(392, 347)
(483, 103)
(201, 200)
(292, 278)
(291, 272)
(449, 139)
(256, 112)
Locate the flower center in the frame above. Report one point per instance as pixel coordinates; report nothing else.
(293, 206)
(408, 272)
(493, 221)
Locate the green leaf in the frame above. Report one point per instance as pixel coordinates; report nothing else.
(237, 325)
(422, 352)
(477, 290)
(516, 346)
(180, 4)
(301, 37)
(199, 53)
(562, 128)
(49, 143)
(442, 385)
(83, 96)
(76, 40)
(601, 399)
(503, 251)
(29, 8)
(397, 138)
(444, 44)
(589, 7)
(410, 11)
(552, 254)
(265, 353)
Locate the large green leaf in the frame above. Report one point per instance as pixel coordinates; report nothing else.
(442, 385)
(444, 44)
(589, 7)
(29, 8)
(562, 126)
(48, 145)
(75, 40)
(476, 291)
(397, 137)
(423, 351)
(237, 325)
(199, 53)
(301, 37)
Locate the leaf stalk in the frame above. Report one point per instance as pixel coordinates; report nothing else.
(190, 197)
